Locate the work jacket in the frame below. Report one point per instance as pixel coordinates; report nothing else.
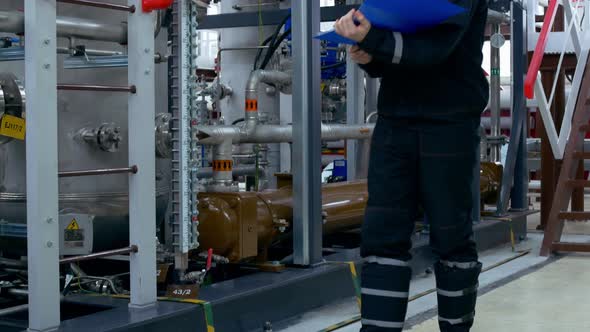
(433, 73)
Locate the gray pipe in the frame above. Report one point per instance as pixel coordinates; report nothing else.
(495, 17)
(257, 77)
(214, 135)
(14, 310)
(14, 22)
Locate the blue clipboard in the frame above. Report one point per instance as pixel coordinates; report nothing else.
(405, 16)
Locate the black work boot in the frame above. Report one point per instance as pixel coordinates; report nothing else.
(457, 284)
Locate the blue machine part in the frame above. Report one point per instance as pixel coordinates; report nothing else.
(329, 58)
(340, 169)
(332, 66)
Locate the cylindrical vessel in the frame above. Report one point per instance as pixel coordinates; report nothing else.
(227, 221)
(106, 196)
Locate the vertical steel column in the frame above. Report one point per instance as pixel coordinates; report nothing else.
(355, 114)
(307, 221)
(42, 160)
(372, 91)
(515, 177)
(519, 199)
(142, 186)
(495, 97)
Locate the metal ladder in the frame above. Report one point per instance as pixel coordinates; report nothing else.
(567, 183)
(568, 144)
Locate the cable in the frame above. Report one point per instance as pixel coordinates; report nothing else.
(238, 121)
(334, 65)
(273, 41)
(273, 48)
(259, 54)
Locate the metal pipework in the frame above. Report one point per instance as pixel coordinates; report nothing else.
(94, 172)
(99, 4)
(213, 135)
(110, 253)
(97, 88)
(222, 168)
(496, 17)
(14, 22)
(279, 78)
(495, 96)
(243, 225)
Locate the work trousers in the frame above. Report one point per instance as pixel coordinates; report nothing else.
(428, 163)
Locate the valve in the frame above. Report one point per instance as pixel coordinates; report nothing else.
(150, 5)
(106, 137)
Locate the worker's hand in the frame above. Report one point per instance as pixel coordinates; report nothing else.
(359, 56)
(353, 25)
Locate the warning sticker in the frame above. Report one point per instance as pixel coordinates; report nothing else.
(73, 225)
(74, 238)
(12, 126)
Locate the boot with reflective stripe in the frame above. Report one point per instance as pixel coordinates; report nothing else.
(385, 290)
(457, 284)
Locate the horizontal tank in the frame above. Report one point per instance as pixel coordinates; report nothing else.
(93, 132)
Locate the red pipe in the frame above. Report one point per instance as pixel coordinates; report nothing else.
(531, 77)
(150, 5)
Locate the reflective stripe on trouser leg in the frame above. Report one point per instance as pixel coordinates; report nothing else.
(385, 292)
(457, 284)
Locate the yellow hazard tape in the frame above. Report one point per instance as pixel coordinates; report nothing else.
(206, 307)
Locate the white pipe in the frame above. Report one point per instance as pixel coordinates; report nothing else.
(214, 135)
(14, 22)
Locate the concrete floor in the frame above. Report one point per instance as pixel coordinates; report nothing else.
(529, 293)
(555, 298)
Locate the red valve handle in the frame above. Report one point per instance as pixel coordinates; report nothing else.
(209, 258)
(150, 5)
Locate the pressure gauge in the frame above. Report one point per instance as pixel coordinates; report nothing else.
(497, 40)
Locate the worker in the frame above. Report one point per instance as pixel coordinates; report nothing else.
(423, 153)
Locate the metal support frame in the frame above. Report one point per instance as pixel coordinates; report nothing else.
(307, 215)
(495, 87)
(186, 156)
(355, 114)
(42, 161)
(142, 186)
(573, 35)
(515, 177)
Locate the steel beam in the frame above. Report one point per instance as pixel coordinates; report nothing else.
(515, 177)
(142, 186)
(355, 111)
(307, 215)
(42, 160)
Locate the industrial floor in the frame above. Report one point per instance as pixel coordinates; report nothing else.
(520, 292)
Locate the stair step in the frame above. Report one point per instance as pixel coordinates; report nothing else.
(581, 155)
(578, 183)
(574, 216)
(571, 247)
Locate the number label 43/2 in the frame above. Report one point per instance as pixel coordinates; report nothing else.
(183, 291)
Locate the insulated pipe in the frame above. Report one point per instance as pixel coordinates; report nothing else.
(257, 77)
(14, 22)
(496, 17)
(214, 135)
(222, 167)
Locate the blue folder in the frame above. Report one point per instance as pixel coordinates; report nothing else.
(405, 16)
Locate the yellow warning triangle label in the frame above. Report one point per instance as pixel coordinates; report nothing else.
(73, 224)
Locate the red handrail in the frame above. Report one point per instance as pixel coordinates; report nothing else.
(531, 77)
